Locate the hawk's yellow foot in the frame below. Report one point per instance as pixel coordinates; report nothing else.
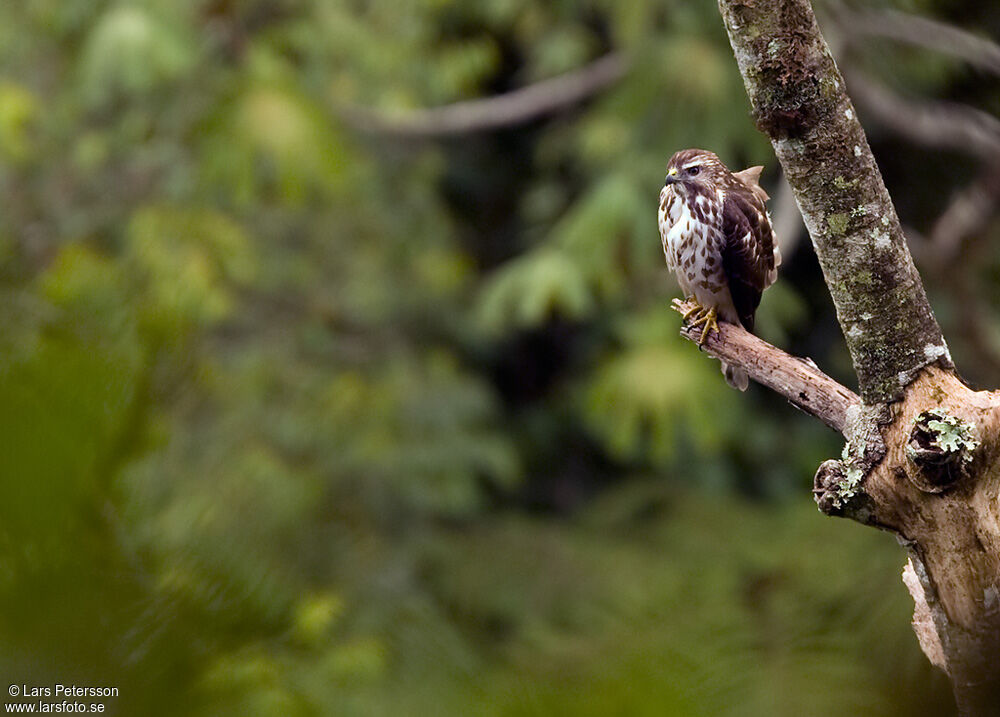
(708, 317)
(687, 307)
(702, 316)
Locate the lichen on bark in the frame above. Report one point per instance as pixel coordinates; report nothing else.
(799, 100)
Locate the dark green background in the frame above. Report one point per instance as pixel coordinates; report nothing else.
(299, 420)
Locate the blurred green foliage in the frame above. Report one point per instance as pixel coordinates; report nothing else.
(300, 420)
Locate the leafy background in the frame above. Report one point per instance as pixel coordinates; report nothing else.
(300, 419)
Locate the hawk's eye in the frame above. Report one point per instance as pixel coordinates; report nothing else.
(693, 171)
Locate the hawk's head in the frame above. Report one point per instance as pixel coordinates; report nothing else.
(695, 171)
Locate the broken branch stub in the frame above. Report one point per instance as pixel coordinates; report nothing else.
(940, 449)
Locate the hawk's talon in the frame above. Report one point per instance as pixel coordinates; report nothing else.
(686, 307)
(707, 318)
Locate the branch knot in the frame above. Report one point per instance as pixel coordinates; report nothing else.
(940, 449)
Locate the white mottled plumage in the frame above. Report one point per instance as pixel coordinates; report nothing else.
(696, 257)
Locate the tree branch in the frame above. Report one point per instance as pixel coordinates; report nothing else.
(967, 214)
(922, 32)
(799, 100)
(511, 108)
(798, 380)
(935, 124)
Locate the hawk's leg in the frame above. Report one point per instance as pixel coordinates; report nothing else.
(702, 316)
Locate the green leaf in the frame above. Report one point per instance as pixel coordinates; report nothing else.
(188, 260)
(131, 51)
(529, 290)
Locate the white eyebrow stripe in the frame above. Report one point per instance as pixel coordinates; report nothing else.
(696, 163)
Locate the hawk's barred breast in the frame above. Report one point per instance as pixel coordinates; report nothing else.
(694, 246)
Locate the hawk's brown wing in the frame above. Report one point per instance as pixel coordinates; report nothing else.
(748, 258)
(751, 178)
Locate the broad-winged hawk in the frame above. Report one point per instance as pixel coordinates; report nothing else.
(717, 238)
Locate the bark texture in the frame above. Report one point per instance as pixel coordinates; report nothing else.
(923, 450)
(799, 100)
(798, 380)
(936, 487)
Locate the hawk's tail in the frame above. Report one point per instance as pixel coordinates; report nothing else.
(735, 377)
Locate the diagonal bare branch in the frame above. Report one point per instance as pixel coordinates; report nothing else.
(934, 124)
(491, 113)
(967, 214)
(981, 52)
(798, 380)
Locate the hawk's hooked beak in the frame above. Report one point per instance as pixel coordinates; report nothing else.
(672, 177)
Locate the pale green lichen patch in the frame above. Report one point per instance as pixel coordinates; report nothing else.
(791, 145)
(853, 475)
(849, 484)
(945, 433)
(933, 352)
(954, 434)
(838, 222)
(882, 240)
(941, 448)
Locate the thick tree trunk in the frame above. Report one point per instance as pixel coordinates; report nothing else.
(923, 453)
(799, 100)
